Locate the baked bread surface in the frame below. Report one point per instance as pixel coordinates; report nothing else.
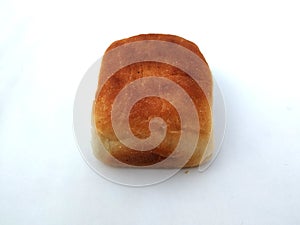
(115, 153)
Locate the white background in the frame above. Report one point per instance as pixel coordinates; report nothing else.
(253, 50)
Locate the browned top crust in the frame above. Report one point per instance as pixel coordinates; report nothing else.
(161, 37)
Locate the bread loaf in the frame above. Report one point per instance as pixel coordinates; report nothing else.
(176, 82)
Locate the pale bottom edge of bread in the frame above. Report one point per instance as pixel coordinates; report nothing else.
(104, 156)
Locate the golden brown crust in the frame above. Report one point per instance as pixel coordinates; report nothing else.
(160, 37)
(147, 108)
